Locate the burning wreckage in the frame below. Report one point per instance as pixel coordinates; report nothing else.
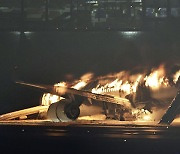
(122, 96)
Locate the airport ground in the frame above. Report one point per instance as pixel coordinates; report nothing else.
(32, 136)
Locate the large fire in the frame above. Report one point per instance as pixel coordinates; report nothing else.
(156, 79)
(120, 84)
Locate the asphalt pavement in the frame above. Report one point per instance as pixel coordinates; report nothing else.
(88, 137)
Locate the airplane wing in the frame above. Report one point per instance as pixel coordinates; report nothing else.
(60, 90)
(68, 109)
(23, 113)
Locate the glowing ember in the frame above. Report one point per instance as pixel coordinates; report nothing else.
(79, 85)
(93, 117)
(147, 118)
(62, 84)
(142, 115)
(48, 99)
(176, 76)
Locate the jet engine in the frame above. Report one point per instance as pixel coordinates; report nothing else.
(63, 111)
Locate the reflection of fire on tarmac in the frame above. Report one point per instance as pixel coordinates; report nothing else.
(139, 96)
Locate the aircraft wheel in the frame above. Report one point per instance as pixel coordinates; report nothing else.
(72, 111)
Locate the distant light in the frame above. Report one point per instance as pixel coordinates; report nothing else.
(16, 33)
(27, 32)
(92, 2)
(137, 0)
(130, 34)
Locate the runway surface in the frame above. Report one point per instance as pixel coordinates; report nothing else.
(35, 136)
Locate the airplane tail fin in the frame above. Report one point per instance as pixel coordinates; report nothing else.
(172, 111)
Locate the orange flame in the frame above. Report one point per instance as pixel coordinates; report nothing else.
(176, 76)
(118, 85)
(157, 78)
(142, 115)
(48, 99)
(83, 81)
(123, 83)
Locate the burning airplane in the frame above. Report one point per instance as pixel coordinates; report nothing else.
(124, 96)
(120, 96)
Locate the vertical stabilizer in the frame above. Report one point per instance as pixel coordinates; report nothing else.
(172, 111)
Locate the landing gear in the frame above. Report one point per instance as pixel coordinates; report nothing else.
(63, 111)
(113, 111)
(72, 111)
